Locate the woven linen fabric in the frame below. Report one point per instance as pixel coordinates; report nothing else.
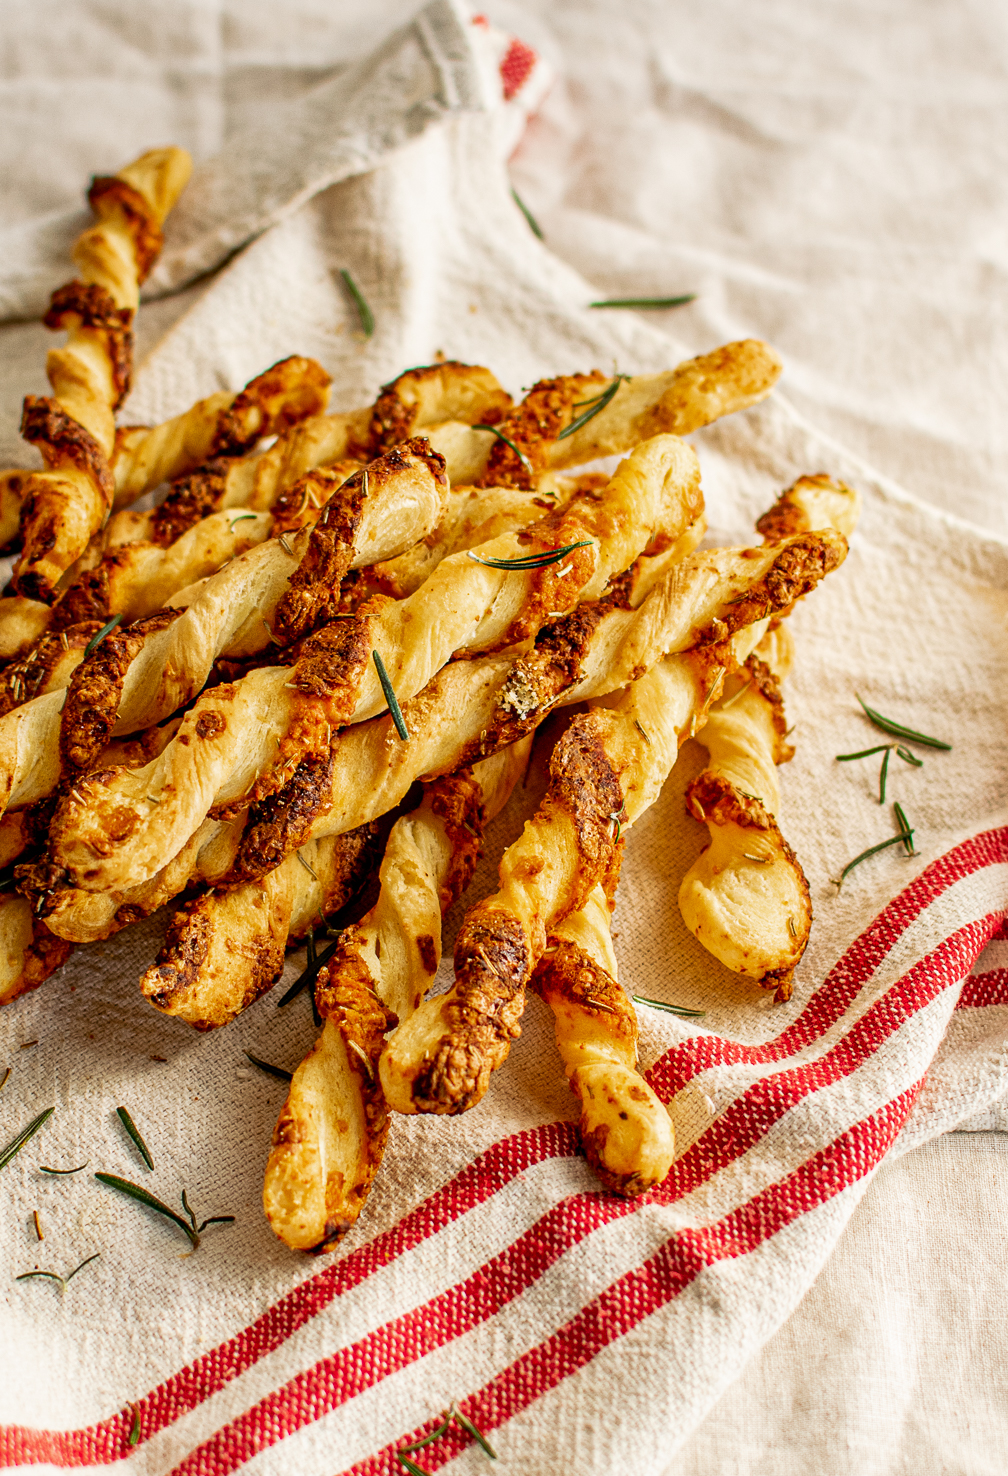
(577, 1330)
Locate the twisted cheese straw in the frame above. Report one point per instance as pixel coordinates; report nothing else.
(468, 711)
(332, 1129)
(626, 1131)
(746, 898)
(467, 603)
(135, 675)
(75, 431)
(226, 948)
(605, 771)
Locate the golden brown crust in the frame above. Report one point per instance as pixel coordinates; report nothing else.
(314, 590)
(457, 799)
(299, 506)
(795, 571)
(533, 426)
(92, 701)
(283, 395)
(191, 499)
(107, 196)
(22, 680)
(92, 306)
(400, 407)
(60, 438)
(190, 979)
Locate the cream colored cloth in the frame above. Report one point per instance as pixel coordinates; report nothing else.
(487, 1267)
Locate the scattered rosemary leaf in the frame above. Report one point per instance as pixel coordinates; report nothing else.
(241, 518)
(3, 1082)
(14, 1147)
(26, 1045)
(844, 758)
(364, 312)
(894, 840)
(533, 223)
(899, 731)
(751, 856)
(641, 731)
(508, 442)
(390, 698)
(600, 404)
(134, 1133)
(791, 927)
(54, 1276)
(309, 976)
(62, 1173)
(533, 561)
(304, 863)
(468, 1425)
(906, 829)
(286, 546)
(659, 1004)
(644, 302)
(38, 1226)
(270, 1070)
(411, 1466)
(96, 639)
(883, 771)
(134, 1435)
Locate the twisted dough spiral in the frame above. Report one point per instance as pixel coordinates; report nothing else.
(90, 375)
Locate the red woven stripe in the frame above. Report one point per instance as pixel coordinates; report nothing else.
(984, 989)
(649, 1287)
(345, 1374)
(516, 68)
(847, 977)
(106, 1441)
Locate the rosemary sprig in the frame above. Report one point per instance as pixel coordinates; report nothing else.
(14, 1147)
(508, 442)
(533, 223)
(390, 698)
(270, 1070)
(905, 828)
(600, 404)
(644, 302)
(894, 840)
(54, 1276)
(899, 731)
(532, 561)
(659, 1004)
(364, 312)
(62, 1173)
(134, 1133)
(96, 639)
(134, 1191)
(886, 749)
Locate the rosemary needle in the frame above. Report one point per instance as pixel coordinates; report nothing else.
(508, 442)
(13, 1148)
(134, 1434)
(533, 223)
(134, 1133)
(600, 404)
(659, 1004)
(644, 302)
(54, 1276)
(532, 561)
(906, 828)
(364, 312)
(899, 731)
(62, 1173)
(309, 976)
(894, 840)
(390, 698)
(96, 639)
(270, 1070)
(3, 1081)
(882, 775)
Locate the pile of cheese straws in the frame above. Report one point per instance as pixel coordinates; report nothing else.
(221, 699)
